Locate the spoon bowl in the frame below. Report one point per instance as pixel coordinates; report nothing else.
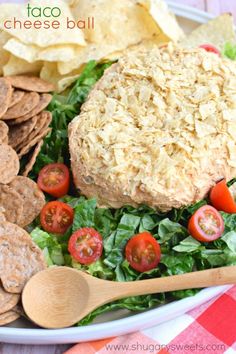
(53, 298)
(59, 297)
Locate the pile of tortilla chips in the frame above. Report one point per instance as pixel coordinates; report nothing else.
(60, 54)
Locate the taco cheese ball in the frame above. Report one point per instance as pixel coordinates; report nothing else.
(159, 129)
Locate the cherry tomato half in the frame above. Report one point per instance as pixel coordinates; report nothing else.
(86, 245)
(54, 179)
(210, 48)
(143, 252)
(206, 224)
(56, 217)
(222, 199)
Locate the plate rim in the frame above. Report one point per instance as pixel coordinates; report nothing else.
(127, 324)
(112, 328)
(189, 12)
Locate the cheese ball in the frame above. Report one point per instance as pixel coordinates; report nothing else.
(159, 128)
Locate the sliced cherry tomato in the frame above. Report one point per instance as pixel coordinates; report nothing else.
(222, 199)
(210, 48)
(86, 245)
(143, 252)
(54, 179)
(206, 224)
(56, 217)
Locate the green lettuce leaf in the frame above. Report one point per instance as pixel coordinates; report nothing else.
(230, 240)
(115, 243)
(169, 230)
(84, 214)
(49, 244)
(188, 245)
(230, 51)
(180, 252)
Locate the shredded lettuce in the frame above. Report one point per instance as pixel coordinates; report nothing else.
(49, 245)
(180, 252)
(230, 51)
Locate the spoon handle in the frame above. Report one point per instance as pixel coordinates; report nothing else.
(199, 279)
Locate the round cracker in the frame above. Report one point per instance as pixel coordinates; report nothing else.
(5, 140)
(8, 317)
(44, 120)
(12, 202)
(27, 148)
(5, 95)
(33, 198)
(16, 97)
(7, 300)
(41, 120)
(3, 131)
(20, 260)
(30, 164)
(18, 133)
(31, 83)
(44, 101)
(10, 165)
(12, 230)
(28, 102)
(2, 216)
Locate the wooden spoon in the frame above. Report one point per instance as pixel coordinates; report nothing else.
(59, 297)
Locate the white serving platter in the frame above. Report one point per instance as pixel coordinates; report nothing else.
(119, 322)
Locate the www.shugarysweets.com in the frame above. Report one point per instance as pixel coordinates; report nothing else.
(47, 18)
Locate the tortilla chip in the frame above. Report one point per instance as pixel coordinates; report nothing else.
(42, 37)
(50, 73)
(71, 2)
(159, 11)
(217, 32)
(135, 20)
(17, 66)
(32, 53)
(4, 55)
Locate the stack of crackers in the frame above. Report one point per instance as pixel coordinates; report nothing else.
(23, 119)
(20, 259)
(23, 124)
(20, 203)
(20, 198)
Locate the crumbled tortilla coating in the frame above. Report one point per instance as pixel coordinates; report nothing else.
(159, 128)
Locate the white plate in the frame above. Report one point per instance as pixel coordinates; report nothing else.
(119, 322)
